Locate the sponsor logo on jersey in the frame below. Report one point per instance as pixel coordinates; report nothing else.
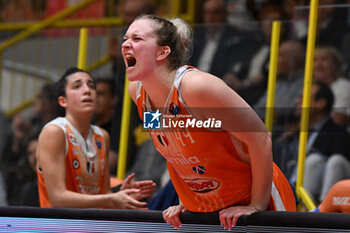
(341, 200)
(88, 189)
(202, 185)
(199, 169)
(91, 189)
(181, 159)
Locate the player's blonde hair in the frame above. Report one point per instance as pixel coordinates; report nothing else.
(176, 34)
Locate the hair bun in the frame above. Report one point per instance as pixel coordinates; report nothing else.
(185, 34)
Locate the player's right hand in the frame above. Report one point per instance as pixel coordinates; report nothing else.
(123, 200)
(146, 187)
(172, 215)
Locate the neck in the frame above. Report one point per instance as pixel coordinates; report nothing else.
(158, 86)
(81, 123)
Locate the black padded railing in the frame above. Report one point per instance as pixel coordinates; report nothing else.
(29, 219)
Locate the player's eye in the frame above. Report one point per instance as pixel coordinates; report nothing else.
(76, 86)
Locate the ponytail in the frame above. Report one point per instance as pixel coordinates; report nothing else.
(176, 34)
(185, 35)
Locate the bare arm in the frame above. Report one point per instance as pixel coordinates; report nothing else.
(240, 120)
(51, 159)
(209, 97)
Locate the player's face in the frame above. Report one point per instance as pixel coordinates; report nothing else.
(80, 93)
(139, 49)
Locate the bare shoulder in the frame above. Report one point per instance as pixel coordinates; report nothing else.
(200, 89)
(209, 97)
(132, 90)
(200, 81)
(51, 142)
(51, 131)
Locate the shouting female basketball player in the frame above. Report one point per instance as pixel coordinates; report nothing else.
(228, 170)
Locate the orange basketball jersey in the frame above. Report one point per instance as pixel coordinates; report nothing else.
(204, 165)
(338, 198)
(85, 162)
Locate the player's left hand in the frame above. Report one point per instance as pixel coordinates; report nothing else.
(230, 215)
(146, 187)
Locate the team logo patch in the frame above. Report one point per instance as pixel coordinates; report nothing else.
(75, 163)
(199, 169)
(174, 109)
(151, 120)
(73, 139)
(98, 144)
(202, 185)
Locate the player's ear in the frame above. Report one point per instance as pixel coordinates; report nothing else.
(62, 101)
(163, 53)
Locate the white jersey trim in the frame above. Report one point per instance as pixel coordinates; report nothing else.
(277, 198)
(61, 122)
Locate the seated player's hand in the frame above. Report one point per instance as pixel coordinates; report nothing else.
(146, 187)
(123, 200)
(172, 215)
(230, 215)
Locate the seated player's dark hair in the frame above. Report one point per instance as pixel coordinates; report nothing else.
(60, 86)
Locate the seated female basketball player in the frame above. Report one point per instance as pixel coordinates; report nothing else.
(72, 161)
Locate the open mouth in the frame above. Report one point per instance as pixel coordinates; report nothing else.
(87, 101)
(131, 61)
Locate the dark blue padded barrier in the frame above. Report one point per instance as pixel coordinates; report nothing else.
(28, 219)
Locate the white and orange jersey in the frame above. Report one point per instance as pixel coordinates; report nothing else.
(204, 165)
(85, 161)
